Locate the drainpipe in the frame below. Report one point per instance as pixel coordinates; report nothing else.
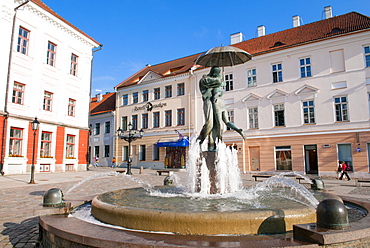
(6, 115)
(89, 113)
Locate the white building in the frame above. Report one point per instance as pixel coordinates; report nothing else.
(45, 73)
(102, 129)
(303, 100)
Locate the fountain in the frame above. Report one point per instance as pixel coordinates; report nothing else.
(213, 209)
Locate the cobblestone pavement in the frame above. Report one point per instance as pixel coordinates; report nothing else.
(21, 203)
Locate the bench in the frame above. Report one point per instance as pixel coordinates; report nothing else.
(359, 181)
(159, 172)
(120, 171)
(262, 176)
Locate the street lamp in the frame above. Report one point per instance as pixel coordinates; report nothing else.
(35, 127)
(129, 137)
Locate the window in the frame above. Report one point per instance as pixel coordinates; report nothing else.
(367, 56)
(18, 93)
(230, 113)
(155, 152)
(135, 97)
(181, 117)
(145, 95)
(156, 119)
(283, 157)
(70, 149)
(125, 99)
(142, 152)
(157, 93)
(51, 54)
(341, 108)
(124, 123)
(125, 153)
(106, 151)
(181, 89)
(73, 69)
(279, 115)
(252, 77)
(97, 128)
(277, 73)
(168, 118)
(23, 40)
(308, 112)
(15, 142)
(107, 127)
(71, 107)
(96, 151)
(253, 117)
(45, 149)
(144, 121)
(229, 82)
(134, 122)
(168, 91)
(305, 65)
(48, 100)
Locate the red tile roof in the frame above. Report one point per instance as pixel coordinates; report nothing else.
(48, 9)
(107, 104)
(323, 29)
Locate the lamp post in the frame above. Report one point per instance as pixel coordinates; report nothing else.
(35, 127)
(131, 135)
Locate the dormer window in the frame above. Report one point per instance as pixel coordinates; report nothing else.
(172, 70)
(278, 43)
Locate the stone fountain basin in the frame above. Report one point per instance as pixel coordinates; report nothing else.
(182, 221)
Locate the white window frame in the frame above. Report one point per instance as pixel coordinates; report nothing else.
(343, 111)
(307, 110)
(253, 117)
(252, 77)
(367, 55)
(277, 69)
(305, 67)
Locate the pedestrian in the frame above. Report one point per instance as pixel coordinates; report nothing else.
(114, 162)
(339, 169)
(345, 168)
(96, 162)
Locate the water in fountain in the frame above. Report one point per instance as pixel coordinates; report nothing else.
(226, 166)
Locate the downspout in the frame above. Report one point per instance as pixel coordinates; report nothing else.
(6, 115)
(89, 112)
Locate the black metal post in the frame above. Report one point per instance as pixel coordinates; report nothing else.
(32, 181)
(129, 156)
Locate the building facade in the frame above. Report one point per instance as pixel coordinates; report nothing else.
(303, 100)
(102, 129)
(47, 75)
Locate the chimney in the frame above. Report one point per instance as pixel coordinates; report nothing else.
(296, 21)
(236, 38)
(328, 12)
(99, 97)
(261, 31)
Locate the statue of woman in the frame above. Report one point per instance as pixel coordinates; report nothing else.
(215, 112)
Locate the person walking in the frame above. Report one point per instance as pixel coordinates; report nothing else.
(114, 162)
(345, 168)
(339, 169)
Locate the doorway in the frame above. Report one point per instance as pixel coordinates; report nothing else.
(175, 157)
(254, 158)
(311, 160)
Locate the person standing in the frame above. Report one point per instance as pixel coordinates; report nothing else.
(96, 162)
(344, 171)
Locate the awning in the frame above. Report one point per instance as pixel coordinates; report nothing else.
(182, 142)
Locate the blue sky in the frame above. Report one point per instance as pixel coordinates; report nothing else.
(139, 32)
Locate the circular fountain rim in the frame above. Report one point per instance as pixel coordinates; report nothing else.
(260, 221)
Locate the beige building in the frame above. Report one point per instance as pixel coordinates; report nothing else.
(303, 100)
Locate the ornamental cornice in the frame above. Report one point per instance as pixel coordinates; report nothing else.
(59, 24)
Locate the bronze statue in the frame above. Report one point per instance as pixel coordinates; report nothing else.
(214, 108)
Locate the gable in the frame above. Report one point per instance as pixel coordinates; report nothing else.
(306, 89)
(252, 97)
(277, 94)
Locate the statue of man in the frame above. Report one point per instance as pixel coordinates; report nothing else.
(215, 112)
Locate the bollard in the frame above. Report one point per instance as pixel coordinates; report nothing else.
(318, 184)
(53, 198)
(332, 214)
(141, 170)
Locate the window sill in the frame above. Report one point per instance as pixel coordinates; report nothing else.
(308, 124)
(341, 121)
(279, 126)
